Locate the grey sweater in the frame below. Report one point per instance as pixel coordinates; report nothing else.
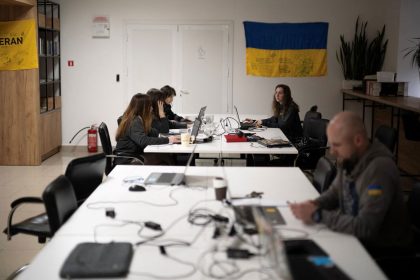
(135, 140)
(368, 202)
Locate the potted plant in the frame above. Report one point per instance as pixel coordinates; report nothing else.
(359, 58)
(414, 51)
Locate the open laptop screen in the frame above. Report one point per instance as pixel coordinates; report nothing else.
(273, 254)
(169, 178)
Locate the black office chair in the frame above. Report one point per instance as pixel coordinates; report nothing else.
(323, 174)
(413, 205)
(109, 152)
(411, 122)
(59, 201)
(405, 266)
(86, 174)
(313, 144)
(311, 114)
(388, 136)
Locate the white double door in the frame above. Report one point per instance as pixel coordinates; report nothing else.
(195, 59)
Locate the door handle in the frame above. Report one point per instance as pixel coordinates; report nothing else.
(184, 92)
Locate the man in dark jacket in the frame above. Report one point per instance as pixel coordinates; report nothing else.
(365, 199)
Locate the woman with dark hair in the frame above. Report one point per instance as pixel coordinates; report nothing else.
(175, 121)
(160, 121)
(285, 113)
(135, 132)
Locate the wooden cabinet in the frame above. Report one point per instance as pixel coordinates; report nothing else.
(29, 133)
(49, 55)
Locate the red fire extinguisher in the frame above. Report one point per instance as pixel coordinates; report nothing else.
(92, 139)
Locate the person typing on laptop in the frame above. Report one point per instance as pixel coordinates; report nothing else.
(286, 113)
(135, 132)
(175, 121)
(365, 198)
(160, 121)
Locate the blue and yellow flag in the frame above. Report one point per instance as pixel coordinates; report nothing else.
(286, 49)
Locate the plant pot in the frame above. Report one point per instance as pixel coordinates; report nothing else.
(350, 84)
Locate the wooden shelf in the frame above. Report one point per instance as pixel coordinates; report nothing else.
(29, 3)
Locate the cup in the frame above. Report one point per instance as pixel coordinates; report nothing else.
(220, 188)
(185, 139)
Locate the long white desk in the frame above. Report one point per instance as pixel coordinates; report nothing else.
(164, 205)
(220, 146)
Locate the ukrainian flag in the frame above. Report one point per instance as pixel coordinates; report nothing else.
(286, 49)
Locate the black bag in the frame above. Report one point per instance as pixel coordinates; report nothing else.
(98, 260)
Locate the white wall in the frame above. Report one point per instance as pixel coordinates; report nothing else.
(409, 28)
(91, 94)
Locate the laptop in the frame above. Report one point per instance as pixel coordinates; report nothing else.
(195, 135)
(169, 178)
(274, 143)
(243, 125)
(244, 214)
(272, 251)
(293, 259)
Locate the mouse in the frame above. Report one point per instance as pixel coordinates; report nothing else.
(137, 188)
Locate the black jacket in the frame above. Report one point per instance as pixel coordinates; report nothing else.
(289, 123)
(135, 140)
(170, 114)
(175, 121)
(161, 124)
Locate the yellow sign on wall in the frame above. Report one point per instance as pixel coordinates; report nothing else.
(18, 49)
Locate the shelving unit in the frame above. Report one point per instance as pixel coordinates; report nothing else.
(30, 111)
(49, 55)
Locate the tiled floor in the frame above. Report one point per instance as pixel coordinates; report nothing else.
(19, 181)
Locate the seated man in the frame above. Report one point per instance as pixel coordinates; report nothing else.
(365, 198)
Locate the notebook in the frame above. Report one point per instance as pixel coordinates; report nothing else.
(169, 178)
(274, 143)
(243, 125)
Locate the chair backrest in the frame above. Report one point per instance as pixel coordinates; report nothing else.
(106, 146)
(86, 174)
(411, 122)
(316, 131)
(387, 136)
(311, 114)
(413, 204)
(60, 202)
(324, 174)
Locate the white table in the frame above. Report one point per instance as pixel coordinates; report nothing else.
(220, 146)
(279, 184)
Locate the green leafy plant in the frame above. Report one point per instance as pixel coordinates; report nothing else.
(359, 58)
(414, 51)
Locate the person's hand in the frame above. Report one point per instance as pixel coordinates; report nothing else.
(303, 211)
(248, 120)
(174, 139)
(186, 121)
(160, 108)
(258, 123)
